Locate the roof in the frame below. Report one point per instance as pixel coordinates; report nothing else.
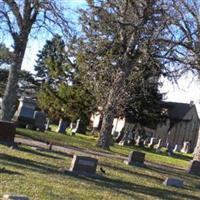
(177, 111)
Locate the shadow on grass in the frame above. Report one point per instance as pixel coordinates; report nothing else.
(27, 164)
(123, 170)
(6, 171)
(39, 153)
(127, 188)
(118, 185)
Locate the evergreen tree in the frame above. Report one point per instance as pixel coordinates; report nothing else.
(62, 95)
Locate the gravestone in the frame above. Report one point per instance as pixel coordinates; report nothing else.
(84, 165)
(39, 120)
(153, 141)
(177, 148)
(173, 182)
(7, 132)
(194, 167)
(170, 149)
(15, 197)
(62, 126)
(186, 147)
(47, 128)
(79, 127)
(25, 111)
(136, 158)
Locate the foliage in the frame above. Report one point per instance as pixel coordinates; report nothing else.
(119, 39)
(19, 20)
(62, 95)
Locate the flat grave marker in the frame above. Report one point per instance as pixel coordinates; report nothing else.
(173, 182)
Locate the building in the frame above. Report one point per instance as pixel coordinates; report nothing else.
(181, 125)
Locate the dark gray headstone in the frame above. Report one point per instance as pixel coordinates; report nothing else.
(62, 126)
(173, 182)
(136, 158)
(7, 132)
(194, 167)
(83, 165)
(25, 111)
(39, 120)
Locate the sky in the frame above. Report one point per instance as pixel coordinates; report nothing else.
(187, 89)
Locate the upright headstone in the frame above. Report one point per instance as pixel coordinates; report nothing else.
(47, 124)
(136, 158)
(62, 126)
(177, 148)
(170, 149)
(79, 127)
(194, 167)
(7, 132)
(153, 141)
(84, 165)
(39, 120)
(186, 147)
(25, 111)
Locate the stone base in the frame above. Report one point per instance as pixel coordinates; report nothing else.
(138, 164)
(75, 173)
(194, 168)
(173, 182)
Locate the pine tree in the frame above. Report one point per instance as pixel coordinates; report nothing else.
(62, 95)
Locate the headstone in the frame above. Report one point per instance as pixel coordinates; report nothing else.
(173, 182)
(194, 167)
(39, 120)
(47, 124)
(62, 126)
(83, 165)
(15, 197)
(138, 140)
(186, 147)
(7, 132)
(136, 158)
(170, 149)
(25, 111)
(152, 142)
(177, 148)
(80, 127)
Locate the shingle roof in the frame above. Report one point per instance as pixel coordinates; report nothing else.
(177, 111)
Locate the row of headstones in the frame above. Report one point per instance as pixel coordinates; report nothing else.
(153, 144)
(158, 144)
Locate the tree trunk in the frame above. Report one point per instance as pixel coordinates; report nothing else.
(109, 112)
(10, 94)
(196, 155)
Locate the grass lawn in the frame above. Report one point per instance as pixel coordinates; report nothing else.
(88, 142)
(35, 173)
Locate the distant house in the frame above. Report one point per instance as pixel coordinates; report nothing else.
(181, 125)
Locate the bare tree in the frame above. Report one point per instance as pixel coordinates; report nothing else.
(20, 19)
(184, 39)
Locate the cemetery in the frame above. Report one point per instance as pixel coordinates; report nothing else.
(40, 173)
(87, 109)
